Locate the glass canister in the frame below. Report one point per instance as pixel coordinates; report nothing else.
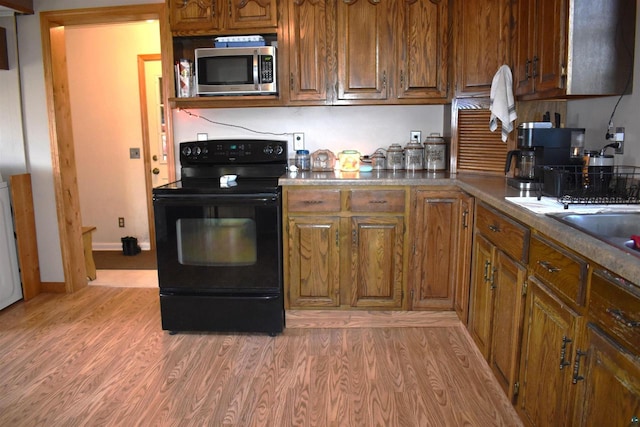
(378, 160)
(414, 156)
(349, 160)
(303, 160)
(435, 153)
(395, 157)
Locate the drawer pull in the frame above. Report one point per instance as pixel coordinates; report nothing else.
(377, 202)
(313, 202)
(547, 266)
(563, 352)
(635, 421)
(494, 228)
(619, 316)
(487, 266)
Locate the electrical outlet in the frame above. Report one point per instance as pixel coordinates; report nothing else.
(298, 141)
(416, 136)
(203, 136)
(121, 222)
(619, 138)
(134, 153)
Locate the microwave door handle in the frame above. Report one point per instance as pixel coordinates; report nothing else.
(256, 77)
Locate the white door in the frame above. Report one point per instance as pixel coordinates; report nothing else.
(157, 136)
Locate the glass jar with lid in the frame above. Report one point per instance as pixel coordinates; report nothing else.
(303, 160)
(378, 160)
(414, 156)
(395, 157)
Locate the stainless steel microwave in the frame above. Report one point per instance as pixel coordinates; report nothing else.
(236, 71)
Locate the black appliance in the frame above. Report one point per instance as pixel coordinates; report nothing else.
(539, 145)
(219, 240)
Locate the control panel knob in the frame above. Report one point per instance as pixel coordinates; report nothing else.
(186, 151)
(197, 150)
(279, 149)
(268, 149)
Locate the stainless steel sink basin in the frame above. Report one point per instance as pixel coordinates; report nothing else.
(615, 228)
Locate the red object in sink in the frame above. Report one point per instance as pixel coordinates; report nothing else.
(636, 241)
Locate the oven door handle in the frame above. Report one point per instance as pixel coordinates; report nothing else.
(217, 198)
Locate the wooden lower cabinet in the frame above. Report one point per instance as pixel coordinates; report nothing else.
(551, 330)
(441, 250)
(345, 248)
(314, 256)
(377, 246)
(609, 383)
(495, 317)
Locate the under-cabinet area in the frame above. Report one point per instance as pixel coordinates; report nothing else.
(559, 330)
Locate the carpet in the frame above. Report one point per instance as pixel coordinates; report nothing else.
(116, 260)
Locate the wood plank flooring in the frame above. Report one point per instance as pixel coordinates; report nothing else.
(99, 357)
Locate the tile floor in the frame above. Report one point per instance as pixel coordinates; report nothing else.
(126, 278)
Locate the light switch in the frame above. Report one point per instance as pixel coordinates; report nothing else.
(134, 153)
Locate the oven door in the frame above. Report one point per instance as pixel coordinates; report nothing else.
(219, 244)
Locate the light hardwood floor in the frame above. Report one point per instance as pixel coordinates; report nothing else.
(99, 357)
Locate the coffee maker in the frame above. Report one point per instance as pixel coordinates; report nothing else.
(538, 145)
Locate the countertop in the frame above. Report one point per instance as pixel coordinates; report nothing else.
(491, 190)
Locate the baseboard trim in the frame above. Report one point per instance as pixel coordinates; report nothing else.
(145, 246)
(54, 287)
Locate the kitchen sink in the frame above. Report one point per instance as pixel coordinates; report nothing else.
(615, 228)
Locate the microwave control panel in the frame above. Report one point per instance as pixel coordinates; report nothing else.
(266, 69)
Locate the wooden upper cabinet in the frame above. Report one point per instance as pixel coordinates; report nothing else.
(541, 46)
(309, 43)
(423, 48)
(364, 49)
(193, 15)
(483, 44)
(251, 14)
(216, 16)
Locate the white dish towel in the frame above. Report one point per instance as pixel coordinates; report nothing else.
(503, 106)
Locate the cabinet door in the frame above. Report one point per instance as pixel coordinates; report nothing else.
(423, 48)
(250, 14)
(483, 44)
(506, 332)
(364, 46)
(194, 15)
(437, 224)
(524, 46)
(550, 52)
(463, 270)
(546, 368)
(308, 50)
(313, 262)
(376, 261)
(610, 392)
(481, 305)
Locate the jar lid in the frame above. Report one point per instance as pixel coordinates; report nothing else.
(395, 147)
(413, 145)
(302, 152)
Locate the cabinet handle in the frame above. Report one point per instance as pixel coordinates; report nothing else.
(619, 316)
(402, 79)
(291, 82)
(494, 228)
(465, 219)
(337, 238)
(493, 276)
(377, 201)
(576, 367)
(384, 80)
(535, 67)
(548, 266)
(354, 236)
(563, 352)
(635, 421)
(312, 202)
(527, 74)
(487, 265)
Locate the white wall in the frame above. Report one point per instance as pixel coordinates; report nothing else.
(111, 185)
(363, 128)
(12, 154)
(593, 115)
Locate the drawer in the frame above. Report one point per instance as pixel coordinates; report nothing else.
(320, 200)
(614, 305)
(508, 235)
(376, 200)
(561, 270)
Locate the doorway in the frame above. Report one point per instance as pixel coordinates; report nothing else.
(58, 101)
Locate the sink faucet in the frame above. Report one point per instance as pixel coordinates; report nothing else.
(612, 145)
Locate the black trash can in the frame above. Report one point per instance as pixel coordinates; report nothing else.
(130, 246)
